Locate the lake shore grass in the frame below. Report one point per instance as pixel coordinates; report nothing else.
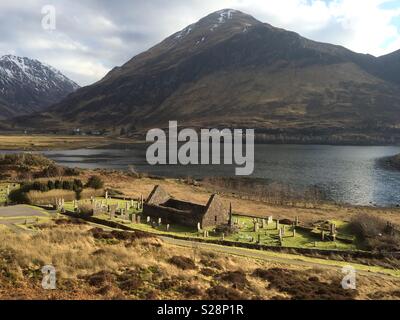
(38, 142)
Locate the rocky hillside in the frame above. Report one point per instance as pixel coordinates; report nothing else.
(28, 86)
(229, 69)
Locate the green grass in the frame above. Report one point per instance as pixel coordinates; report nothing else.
(3, 191)
(268, 236)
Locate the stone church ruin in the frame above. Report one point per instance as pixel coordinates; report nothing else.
(161, 205)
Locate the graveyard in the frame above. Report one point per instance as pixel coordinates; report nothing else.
(244, 229)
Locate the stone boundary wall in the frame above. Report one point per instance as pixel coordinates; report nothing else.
(289, 250)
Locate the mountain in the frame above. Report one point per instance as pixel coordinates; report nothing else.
(231, 70)
(28, 85)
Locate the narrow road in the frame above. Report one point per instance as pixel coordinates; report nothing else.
(271, 257)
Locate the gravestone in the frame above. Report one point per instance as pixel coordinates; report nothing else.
(133, 218)
(159, 222)
(148, 219)
(280, 235)
(199, 227)
(112, 210)
(277, 224)
(138, 219)
(294, 232)
(256, 227)
(263, 224)
(167, 227)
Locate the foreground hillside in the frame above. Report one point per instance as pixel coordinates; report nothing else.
(94, 260)
(243, 73)
(95, 264)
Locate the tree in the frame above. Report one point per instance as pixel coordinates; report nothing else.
(50, 185)
(95, 182)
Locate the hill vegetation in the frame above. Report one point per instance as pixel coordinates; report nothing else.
(231, 70)
(120, 265)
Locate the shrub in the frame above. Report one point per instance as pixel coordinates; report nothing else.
(375, 233)
(52, 171)
(71, 172)
(58, 184)
(95, 182)
(86, 210)
(51, 185)
(183, 263)
(78, 185)
(19, 196)
(68, 185)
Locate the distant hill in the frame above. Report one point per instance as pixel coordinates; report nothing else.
(28, 86)
(231, 70)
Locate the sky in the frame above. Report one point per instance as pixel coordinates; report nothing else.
(90, 37)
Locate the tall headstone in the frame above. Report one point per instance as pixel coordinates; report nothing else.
(148, 219)
(256, 227)
(138, 219)
(167, 227)
(277, 224)
(199, 227)
(263, 224)
(230, 215)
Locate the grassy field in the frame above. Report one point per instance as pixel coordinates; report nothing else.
(3, 191)
(53, 142)
(91, 266)
(246, 234)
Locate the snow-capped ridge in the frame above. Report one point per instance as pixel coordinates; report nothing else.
(29, 85)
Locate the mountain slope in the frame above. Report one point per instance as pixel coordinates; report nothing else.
(229, 69)
(28, 85)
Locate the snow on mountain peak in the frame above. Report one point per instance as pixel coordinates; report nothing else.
(25, 69)
(27, 85)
